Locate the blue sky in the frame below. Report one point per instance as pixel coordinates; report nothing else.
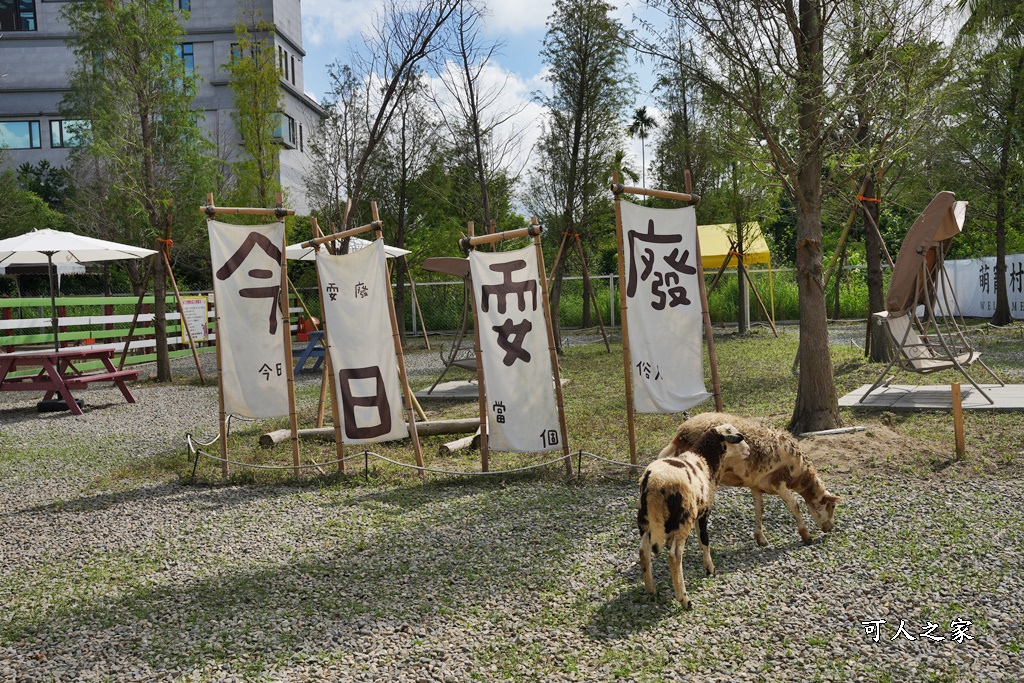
(330, 27)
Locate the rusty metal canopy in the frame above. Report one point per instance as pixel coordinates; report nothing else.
(920, 254)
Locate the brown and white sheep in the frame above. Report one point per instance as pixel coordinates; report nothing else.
(676, 492)
(775, 465)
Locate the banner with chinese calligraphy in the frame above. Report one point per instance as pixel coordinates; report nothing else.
(663, 308)
(522, 414)
(361, 344)
(247, 262)
(973, 282)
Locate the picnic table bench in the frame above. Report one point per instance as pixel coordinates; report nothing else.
(58, 374)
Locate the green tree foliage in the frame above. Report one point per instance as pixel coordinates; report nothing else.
(590, 90)
(21, 209)
(988, 126)
(142, 147)
(255, 86)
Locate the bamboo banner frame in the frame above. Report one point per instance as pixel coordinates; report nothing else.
(617, 190)
(210, 210)
(534, 230)
(328, 375)
(377, 227)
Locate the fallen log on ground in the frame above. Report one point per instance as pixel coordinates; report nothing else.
(453, 447)
(431, 428)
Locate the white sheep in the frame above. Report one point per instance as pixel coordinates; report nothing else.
(674, 493)
(775, 465)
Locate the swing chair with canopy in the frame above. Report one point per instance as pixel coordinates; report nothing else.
(935, 338)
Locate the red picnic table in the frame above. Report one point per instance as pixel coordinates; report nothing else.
(58, 375)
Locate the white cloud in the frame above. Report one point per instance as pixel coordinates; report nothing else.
(335, 22)
(517, 16)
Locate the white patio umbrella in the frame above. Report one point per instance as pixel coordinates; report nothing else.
(296, 252)
(52, 247)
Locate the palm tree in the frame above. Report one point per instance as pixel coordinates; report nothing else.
(641, 125)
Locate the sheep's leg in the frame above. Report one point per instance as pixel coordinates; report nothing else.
(645, 564)
(794, 507)
(705, 542)
(759, 536)
(675, 562)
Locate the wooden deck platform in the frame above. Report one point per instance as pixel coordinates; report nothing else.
(936, 397)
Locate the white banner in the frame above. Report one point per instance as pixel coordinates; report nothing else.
(664, 313)
(360, 341)
(247, 262)
(973, 282)
(522, 414)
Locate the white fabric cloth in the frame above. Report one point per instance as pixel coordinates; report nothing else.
(522, 413)
(360, 340)
(663, 308)
(973, 281)
(247, 262)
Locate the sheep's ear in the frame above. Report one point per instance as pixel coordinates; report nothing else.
(733, 438)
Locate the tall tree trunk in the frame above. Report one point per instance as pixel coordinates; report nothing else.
(742, 320)
(163, 356)
(817, 406)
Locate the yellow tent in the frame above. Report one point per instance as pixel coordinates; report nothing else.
(714, 245)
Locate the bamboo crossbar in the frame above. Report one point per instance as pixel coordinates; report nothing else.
(317, 241)
(210, 210)
(529, 231)
(619, 188)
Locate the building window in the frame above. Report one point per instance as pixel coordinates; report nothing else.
(20, 135)
(185, 5)
(293, 69)
(300, 138)
(17, 15)
(186, 53)
(67, 133)
(285, 131)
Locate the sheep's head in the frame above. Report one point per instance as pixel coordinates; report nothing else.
(823, 511)
(732, 441)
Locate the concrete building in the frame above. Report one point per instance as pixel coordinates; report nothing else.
(35, 59)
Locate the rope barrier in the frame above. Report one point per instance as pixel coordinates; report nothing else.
(366, 455)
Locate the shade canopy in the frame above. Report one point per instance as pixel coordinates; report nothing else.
(65, 247)
(54, 247)
(716, 242)
(922, 251)
(297, 252)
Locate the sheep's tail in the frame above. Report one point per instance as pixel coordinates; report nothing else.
(653, 514)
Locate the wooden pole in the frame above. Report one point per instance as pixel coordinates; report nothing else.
(844, 235)
(593, 294)
(222, 415)
(327, 379)
(764, 308)
(317, 241)
(558, 258)
(623, 306)
(416, 300)
(165, 251)
(472, 241)
(663, 194)
(135, 315)
(958, 422)
(551, 349)
(411, 415)
(721, 271)
(708, 332)
(293, 419)
(484, 452)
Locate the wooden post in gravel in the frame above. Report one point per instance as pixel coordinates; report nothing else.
(958, 421)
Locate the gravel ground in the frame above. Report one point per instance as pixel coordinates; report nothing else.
(468, 580)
